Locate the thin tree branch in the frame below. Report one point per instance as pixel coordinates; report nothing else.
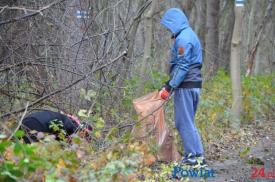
(66, 87)
(34, 13)
(20, 122)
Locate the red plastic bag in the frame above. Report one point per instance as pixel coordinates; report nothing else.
(150, 111)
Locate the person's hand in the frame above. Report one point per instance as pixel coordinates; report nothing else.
(164, 94)
(165, 91)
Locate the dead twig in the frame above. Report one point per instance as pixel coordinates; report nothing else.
(17, 8)
(20, 121)
(33, 13)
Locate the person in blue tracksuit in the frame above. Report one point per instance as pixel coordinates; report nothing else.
(185, 81)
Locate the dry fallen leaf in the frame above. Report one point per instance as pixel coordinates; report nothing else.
(61, 164)
(72, 179)
(9, 155)
(132, 177)
(149, 159)
(97, 164)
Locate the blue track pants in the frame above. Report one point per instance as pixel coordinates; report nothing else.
(185, 105)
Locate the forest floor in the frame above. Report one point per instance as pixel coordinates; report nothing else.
(234, 157)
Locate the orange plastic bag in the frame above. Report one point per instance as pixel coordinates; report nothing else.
(150, 107)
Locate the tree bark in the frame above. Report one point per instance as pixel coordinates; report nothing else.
(261, 59)
(200, 22)
(147, 44)
(130, 39)
(226, 25)
(212, 38)
(235, 69)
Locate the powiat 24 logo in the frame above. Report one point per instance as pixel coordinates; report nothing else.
(262, 172)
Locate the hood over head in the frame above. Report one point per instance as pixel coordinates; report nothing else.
(175, 20)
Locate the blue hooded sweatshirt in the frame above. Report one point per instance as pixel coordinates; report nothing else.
(186, 57)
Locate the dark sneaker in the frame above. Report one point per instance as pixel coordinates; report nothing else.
(189, 161)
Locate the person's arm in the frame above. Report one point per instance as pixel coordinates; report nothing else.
(69, 125)
(173, 55)
(181, 67)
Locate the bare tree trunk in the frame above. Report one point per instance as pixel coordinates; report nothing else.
(130, 38)
(212, 37)
(186, 6)
(264, 29)
(226, 25)
(235, 69)
(147, 44)
(200, 20)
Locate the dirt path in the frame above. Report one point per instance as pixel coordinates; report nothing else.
(239, 153)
